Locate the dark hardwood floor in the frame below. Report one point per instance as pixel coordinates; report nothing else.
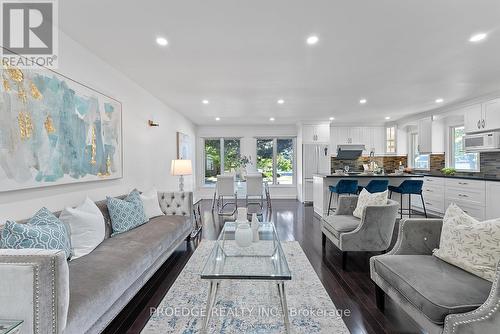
(349, 289)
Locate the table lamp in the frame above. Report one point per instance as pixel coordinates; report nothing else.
(181, 168)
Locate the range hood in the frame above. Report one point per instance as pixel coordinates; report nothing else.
(349, 152)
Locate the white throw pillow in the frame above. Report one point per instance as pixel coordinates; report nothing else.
(367, 199)
(86, 226)
(151, 203)
(470, 244)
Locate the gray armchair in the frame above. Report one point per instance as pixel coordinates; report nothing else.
(372, 233)
(441, 298)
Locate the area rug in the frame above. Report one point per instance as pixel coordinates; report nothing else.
(247, 306)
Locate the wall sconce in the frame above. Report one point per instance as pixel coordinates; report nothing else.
(152, 123)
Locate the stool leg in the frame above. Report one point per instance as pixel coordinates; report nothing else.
(423, 204)
(409, 205)
(401, 205)
(329, 204)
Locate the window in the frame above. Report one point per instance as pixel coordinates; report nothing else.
(275, 160)
(390, 139)
(459, 159)
(221, 154)
(418, 161)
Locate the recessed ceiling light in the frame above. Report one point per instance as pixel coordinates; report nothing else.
(281, 101)
(332, 118)
(217, 119)
(311, 40)
(271, 119)
(362, 101)
(205, 102)
(478, 37)
(440, 100)
(162, 41)
(387, 117)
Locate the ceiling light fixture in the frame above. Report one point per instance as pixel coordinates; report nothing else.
(478, 37)
(217, 119)
(205, 102)
(311, 40)
(271, 119)
(332, 118)
(362, 101)
(162, 41)
(281, 101)
(387, 117)
(440, 100)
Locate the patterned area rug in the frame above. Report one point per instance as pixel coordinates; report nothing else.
(247, 306)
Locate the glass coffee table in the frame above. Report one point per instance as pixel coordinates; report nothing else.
(262, 260)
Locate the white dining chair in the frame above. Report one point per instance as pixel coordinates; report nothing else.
(225, 187)
(255, 190)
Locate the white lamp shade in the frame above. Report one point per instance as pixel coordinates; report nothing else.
(181, 167)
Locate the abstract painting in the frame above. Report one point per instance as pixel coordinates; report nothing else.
(54, 130)
(183, 146)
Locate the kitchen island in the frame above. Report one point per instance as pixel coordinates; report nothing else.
(321, 193)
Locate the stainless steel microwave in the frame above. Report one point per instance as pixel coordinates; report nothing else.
(482, 142)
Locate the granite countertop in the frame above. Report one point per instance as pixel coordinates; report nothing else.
(370, 175)
(464, 177)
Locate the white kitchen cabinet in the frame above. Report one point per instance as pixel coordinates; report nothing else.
(482, 117)
(425, 135)
(491, 115)
(378, 141)
(371, 137)
(470, 195)
(492, 197)
(433, 193)
(316, 134)
(473, 116)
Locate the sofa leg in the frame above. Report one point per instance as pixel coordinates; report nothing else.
(323, 240)
(344, 260)
(380, 298)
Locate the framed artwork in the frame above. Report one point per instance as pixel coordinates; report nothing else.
(184, 150)
(54, 130)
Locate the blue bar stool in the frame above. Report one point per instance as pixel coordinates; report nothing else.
(375, 186)
(408, 187)
(342, 187)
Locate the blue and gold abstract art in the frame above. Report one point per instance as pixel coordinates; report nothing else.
(54, 130)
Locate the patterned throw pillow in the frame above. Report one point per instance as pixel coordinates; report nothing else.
(126, 214)
(43, 231)
(367, 199)
(469, 244)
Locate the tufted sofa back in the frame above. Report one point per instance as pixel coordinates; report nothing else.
(176, 203)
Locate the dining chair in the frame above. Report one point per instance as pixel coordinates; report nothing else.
(225, 187)
(255, 191)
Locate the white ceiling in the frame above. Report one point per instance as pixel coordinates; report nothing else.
(244, 55)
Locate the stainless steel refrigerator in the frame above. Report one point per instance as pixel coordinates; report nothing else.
(316, 159)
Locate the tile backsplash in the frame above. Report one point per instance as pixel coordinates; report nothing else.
(489, 164)
(389, 163)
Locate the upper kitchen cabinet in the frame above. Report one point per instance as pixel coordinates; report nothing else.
(425, 135)
(371, 137)
(316, 133)
(491, 115)
(482, 117)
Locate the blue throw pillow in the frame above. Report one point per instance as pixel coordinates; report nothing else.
(43, 231)
(126, 214)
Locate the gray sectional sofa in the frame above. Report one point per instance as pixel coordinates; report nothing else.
(440, 297)
(52, 295)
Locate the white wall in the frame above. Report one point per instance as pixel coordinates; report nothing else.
(147, 151)
(248, 148)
